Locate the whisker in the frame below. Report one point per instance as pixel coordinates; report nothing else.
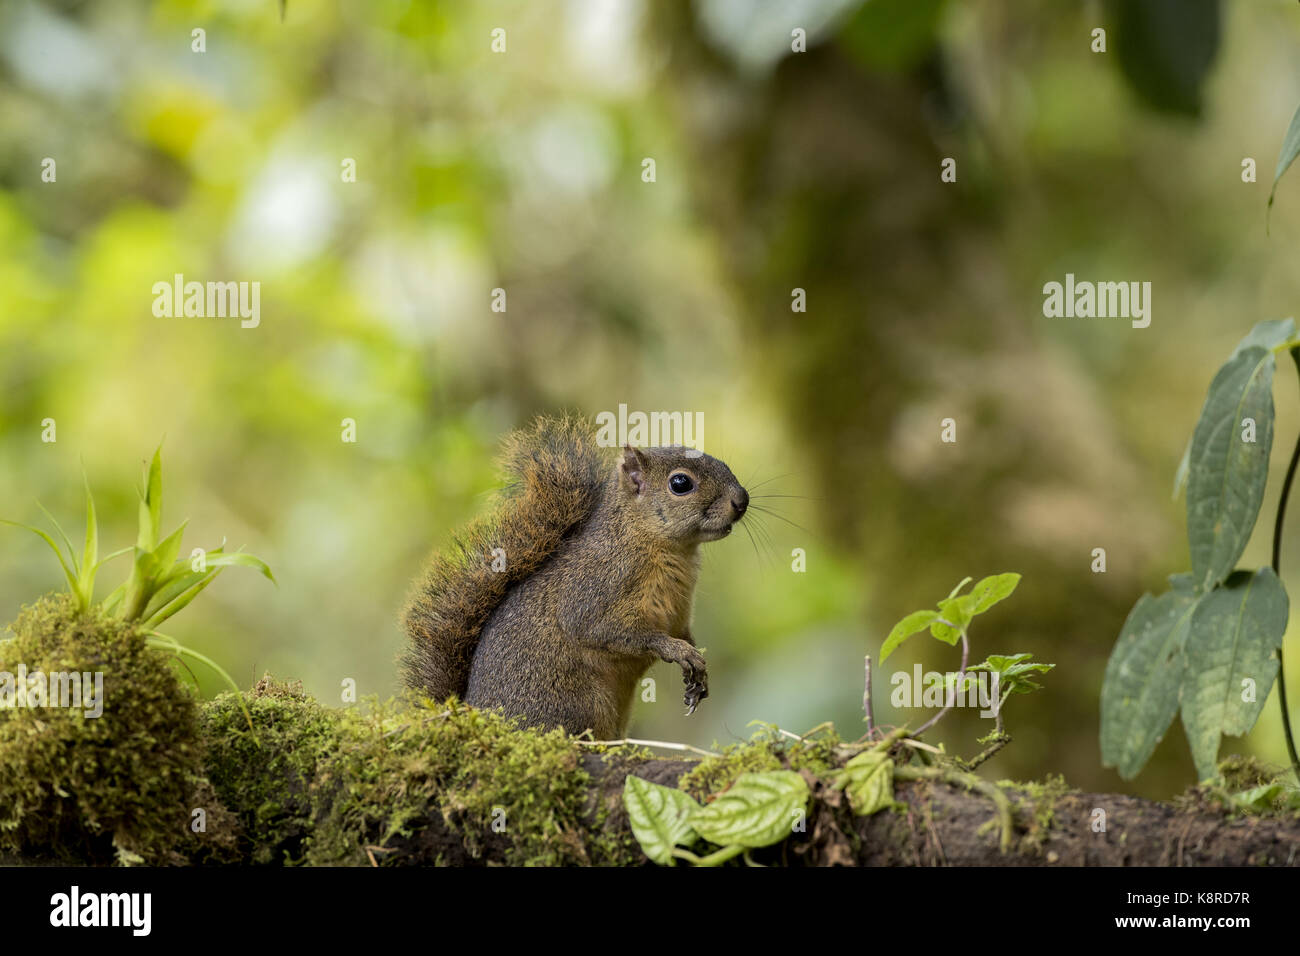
(764, 535)
(768, 511)
(758, 557)
(768, 481)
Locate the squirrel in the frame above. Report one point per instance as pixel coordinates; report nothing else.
(553, 606)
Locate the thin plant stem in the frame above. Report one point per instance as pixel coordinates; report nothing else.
(1277, 563)
(952, 696)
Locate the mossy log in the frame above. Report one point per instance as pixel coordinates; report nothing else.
(281, 780)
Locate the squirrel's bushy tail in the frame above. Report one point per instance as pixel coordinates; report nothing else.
(556, 472)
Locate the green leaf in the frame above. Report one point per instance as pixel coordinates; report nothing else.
(759, 809)
(1235, 637)
(1290, 149)
(165, 642)
(166, 552)
(72, 552)
(991, 590)
(1016, 670)
(955, 614)
(58, 553)
(240, 559)
(1257, 798)
(161, 611)
(151, 504)
(183, 567)
(1139, 694)
(914, 623)
(659, 817)
(176, 596)
(1268, 334)
(140, 584)
(1024, 685)
(1010, 668)
(111, 555)
(868, 779)
(114, 599)
(90, 555)
(1001, 663)
(1227, 475)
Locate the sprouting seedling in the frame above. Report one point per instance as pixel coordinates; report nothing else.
(160, 583)
(949, 623)
(1011, 675)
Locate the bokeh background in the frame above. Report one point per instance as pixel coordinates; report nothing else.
(775, 170)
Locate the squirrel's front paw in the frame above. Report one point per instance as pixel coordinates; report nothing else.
(696, 676)
(694, 671)
(696, 691)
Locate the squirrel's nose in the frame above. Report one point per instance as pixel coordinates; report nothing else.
(740, 502)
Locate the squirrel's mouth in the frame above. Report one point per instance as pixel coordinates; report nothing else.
(715, 532)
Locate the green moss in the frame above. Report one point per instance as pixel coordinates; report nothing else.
(267, 775)
(1246, 786)
(506, 795)
(120, 786)
(1044, 795)
(767, 749)
(1243, 772)
(398, 781)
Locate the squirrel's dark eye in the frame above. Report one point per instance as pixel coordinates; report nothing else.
(680, 484)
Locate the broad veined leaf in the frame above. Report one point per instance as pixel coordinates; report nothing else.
(954, 616)
(1139, 694)
(1227, 474)
(868, 779)
(1232, 661)
(1268, 334)
(914, 623)
(991, 590)
(659, 817)
(759, 809)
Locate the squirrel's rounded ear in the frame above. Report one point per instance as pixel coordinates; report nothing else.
(633, 469)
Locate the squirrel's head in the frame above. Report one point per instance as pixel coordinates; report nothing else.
(685, 495)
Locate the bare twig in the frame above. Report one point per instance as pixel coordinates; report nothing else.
(666, 745)
(920, 745)
(866, 699)
(952, 695)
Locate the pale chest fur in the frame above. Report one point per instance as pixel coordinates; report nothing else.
(665, 588)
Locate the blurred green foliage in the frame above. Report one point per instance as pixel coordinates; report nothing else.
(478, 170)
